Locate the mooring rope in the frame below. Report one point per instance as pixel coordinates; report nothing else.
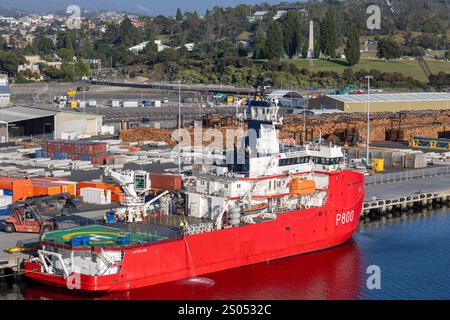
(16, 273)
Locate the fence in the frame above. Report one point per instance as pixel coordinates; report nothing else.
(407, 175)
(33, 138)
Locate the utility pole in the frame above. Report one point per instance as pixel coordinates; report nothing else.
(368, 119)
(179, 126)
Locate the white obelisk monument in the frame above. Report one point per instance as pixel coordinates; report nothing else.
(310, 54)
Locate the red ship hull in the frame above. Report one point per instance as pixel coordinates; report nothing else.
(292, 233)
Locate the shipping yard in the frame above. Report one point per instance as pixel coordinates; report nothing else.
(408, 174)
(95, 182)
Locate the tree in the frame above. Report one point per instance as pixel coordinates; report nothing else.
(65, 54)
(9, 62)
(2, 43)
(388, 49)
(274, 41)
(292, 33)
(179, 15)
(125, 34)
(259, 45)
(151, 47)
(352, 47)
(43, 45)
(329, 38)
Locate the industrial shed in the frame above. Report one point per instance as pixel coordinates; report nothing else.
(41, 121)
(386, 102)
(27, 121)
(77, 122)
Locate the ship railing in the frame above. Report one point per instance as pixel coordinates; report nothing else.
(407, 175)
(160, 237)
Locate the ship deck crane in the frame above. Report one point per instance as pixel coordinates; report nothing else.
(134, 202)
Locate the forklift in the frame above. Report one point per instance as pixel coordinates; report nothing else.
(27, 218)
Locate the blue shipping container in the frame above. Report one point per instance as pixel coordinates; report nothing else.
(7, 192)
(80, 241)
(123, 240)
(5, 212)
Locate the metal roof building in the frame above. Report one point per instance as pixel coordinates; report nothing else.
(51, 123)
(16, 114)
(388, 102)
(28, 121)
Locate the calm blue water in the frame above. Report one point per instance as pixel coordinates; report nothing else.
(413, 255)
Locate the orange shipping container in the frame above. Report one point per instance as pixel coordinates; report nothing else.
(49, 179)
(46, 189)
(165, 181)
(21, 188)
(114, 188)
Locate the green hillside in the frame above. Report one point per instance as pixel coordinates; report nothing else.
(407, 67)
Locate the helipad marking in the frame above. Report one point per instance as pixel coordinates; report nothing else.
(94, 236)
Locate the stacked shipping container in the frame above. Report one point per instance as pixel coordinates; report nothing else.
(165, 181)
(76, 150)
(21, 189)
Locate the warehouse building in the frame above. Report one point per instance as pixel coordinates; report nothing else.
(27, 121)
(384, 102)
(78, 123)
(49, 123)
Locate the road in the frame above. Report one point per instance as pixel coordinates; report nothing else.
(408, 187)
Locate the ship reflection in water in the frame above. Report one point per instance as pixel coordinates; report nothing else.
(329, 274)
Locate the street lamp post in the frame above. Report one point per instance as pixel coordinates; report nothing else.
(368, 118)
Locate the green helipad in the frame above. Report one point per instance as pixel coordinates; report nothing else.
(99, 236)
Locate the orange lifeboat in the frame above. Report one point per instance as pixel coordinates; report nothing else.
(301, 187)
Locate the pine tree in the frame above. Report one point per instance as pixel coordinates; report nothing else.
(292, 33)
(259, 45)
(352, 48)
(274, 41)
(179, 15)
(329, 38)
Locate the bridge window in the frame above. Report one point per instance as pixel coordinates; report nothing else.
(326, 161)
(293, 161)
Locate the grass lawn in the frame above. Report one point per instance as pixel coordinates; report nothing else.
(407, 67)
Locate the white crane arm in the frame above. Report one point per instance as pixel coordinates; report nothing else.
(159, 196)
(126, 181)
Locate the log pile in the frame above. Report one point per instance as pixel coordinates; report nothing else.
(152, 134)
(413, 123)
(147, 134)
(218, 121)
(346, 127)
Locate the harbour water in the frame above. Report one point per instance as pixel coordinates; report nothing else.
(412, 253)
